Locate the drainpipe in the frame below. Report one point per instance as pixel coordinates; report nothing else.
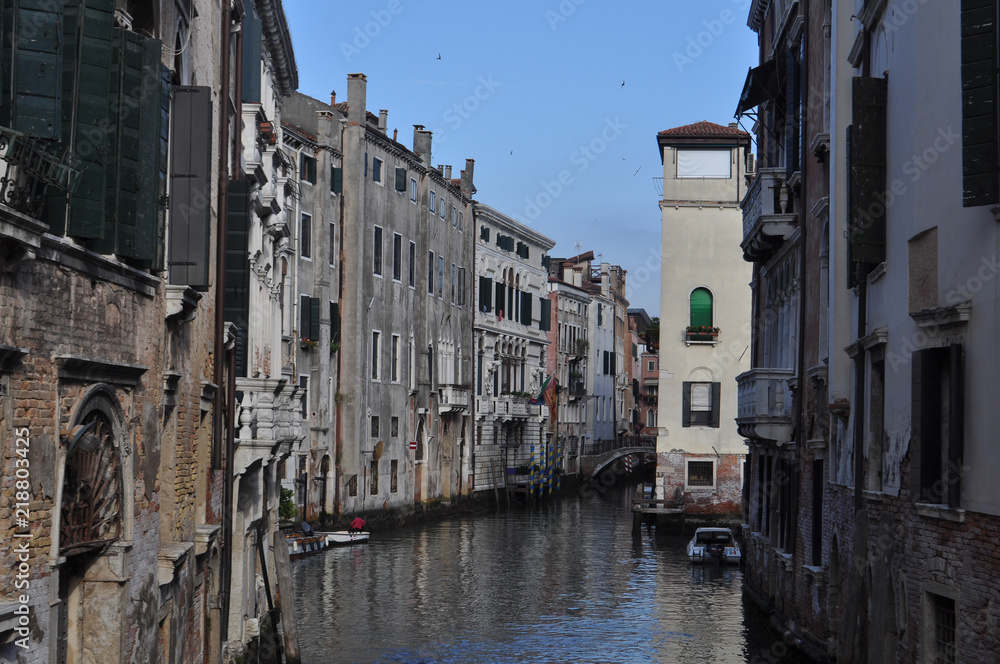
(803, 280)
(224, 401)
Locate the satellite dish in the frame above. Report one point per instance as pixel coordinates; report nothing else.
(379, 448)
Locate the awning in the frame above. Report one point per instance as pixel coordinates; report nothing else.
(761, 85)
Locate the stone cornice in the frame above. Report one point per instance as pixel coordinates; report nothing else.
(503, 221)
(279, 43)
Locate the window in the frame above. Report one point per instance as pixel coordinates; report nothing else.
(305, 236)
(979, 90)
(304, 384)
(376, 352)
(374, 485)
(454, 284)
(400, 180)
(412, 265)
(397, 256)
(485, 294)
(461, 286)
(308, 317)
(394, 426)
(701, 473)
(484, 233)
(701, 308)
(377, 252)
(866, 173)
(393, 475)
(942, 650)
(307, 168)
(430, 272)
(366, 164)
(704, 163)
(461, 221)
(394, 359)
(352, 486)
(440, 276)
(937, 443)
(374, 426)
(650, 417)
(651, 365)
(700, 404)
(441, 207)
(454, 216)
(413, 190)
(431, 203)
(376, 169)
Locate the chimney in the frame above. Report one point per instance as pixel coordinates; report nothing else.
(467, 187)
(333, 97)
(577, 276)
(357, 98)
(733, 125)
(440, 168)
(383, 118)
(422, 144)
(447, 171)
(395, 135)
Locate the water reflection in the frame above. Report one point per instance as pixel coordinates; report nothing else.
(563, 583)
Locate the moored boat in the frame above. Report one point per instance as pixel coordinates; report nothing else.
(346, 537)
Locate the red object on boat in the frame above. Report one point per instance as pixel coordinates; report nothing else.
(358, 523)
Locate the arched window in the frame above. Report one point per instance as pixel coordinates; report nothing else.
(701, 308)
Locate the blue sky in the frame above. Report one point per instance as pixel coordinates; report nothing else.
(533, 92)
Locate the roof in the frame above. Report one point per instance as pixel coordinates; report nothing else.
(703, 129)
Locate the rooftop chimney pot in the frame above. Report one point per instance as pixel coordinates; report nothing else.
(383, 119)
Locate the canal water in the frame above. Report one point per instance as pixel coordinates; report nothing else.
(562, 583)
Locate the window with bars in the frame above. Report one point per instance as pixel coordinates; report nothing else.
(377, 251)
(393, 476)
(397, 256)
(374, 426)
(701, 473)
(943, 648)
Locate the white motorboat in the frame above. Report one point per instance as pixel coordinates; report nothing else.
(713, 544)
(346, 537)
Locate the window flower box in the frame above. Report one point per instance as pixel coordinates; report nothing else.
(307, 344)
(702, 333)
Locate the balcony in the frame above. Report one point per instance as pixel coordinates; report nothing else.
(27, 172)
(765, 404)
(511, 407)
(769, 216)
(453, 399)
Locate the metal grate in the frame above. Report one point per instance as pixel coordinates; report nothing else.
(944, 630)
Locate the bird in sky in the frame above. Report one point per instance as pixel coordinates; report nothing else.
(439, 57)
(636, 171)
(623, 83)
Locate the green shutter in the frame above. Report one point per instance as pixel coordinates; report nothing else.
(500, 299)
(236, 288)
(32, 67)
(314, 318)
(544, 314)
(866, 214)
(979, 103)
(686, 404)
(335, 322)
(485, 294)
(152, 165)
(252, 40)
(701, 307)
(716, 396)
(337, 180)
(122, 160)
(526, 308)
(305, 317)
(400, 179)
(792, 94)
(190, 187)
(88, 35)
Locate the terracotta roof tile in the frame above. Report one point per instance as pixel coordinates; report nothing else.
(704, 129)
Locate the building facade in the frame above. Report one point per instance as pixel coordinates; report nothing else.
(871, 478)
(513, 317)
(704, 306)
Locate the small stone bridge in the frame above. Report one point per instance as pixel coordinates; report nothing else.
(598, 456)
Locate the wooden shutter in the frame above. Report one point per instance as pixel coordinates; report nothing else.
(337, 180)
(866, 222)
(305, 317)
(87, 35)
(252, 40)
(236, 295)
(956, 424)
(544, 314)
(607, 364)
(792, 94)
(526, 308)
(979, 103)
(400, 179)
(314, 318)
(686, 404)
(926, 464)
(124, 135)
(32, 80)
(701, 307)
(614, 363)
(190, 187)
(485, 294)
(335, 322)
(716, 394)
